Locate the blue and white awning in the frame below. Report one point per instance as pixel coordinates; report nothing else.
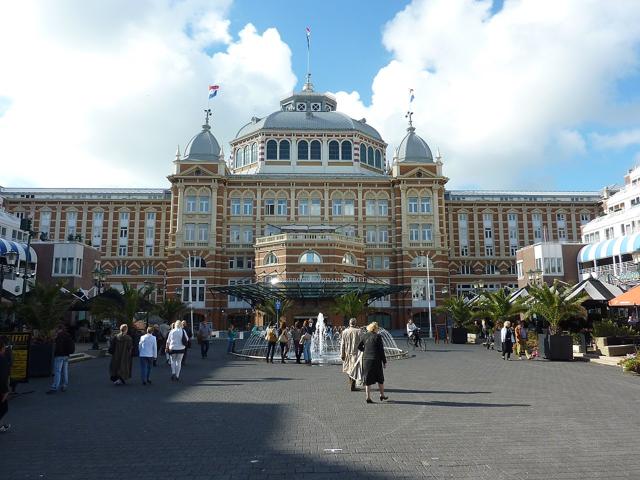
(19, 248)
(609, 248)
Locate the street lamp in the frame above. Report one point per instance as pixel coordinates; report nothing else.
(534, 276)
(99, 276)
(426, 260)
(8, 268)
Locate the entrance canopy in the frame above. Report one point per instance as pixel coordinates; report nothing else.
(259, 292)
(597, 290)
(627, 299)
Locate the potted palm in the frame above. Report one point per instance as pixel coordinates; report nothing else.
(44, 307)
(497, 307)
(552, 304)
(461, 313)
(350, 305)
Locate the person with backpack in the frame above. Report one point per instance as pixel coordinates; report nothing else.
(177, 341)
(283, 340)
(64, 347)
(272, 338)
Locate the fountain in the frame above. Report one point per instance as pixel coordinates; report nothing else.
(325, 345)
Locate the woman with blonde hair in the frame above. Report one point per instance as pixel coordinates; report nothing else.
(176, 345)
(373, 361)
(507, 340)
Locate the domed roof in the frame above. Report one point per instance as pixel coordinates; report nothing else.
(413, 148)
(203, 146)
(288, 121)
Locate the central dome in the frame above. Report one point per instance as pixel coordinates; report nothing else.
(413, 148)
(292, 121)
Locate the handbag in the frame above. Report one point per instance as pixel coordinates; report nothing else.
(283, 338)
(185, 340)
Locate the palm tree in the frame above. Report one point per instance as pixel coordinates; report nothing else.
(350, 305)
(170, 309)
(122, 306)
(458, 309)
(551, 303)
(44, 307)
(268, 308)
(497, 307)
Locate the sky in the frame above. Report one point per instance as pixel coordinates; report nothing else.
(516, 94)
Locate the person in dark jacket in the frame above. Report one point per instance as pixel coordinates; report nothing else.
(5, 368)
(120, 350)
(373, 361)
(64, 347)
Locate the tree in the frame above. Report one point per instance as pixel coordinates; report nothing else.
(268, 309)
(350, 305)
(122, 306)
(458, 309)
(169, 310)
(552, 304)
(496, 306)
(44, 307)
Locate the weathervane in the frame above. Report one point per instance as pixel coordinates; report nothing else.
(409, 110)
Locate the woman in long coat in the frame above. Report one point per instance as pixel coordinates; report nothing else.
(373, 361)
(120, 367)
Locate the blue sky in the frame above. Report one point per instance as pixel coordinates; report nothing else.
(517, 94)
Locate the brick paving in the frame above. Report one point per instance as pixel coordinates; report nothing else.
(456, 411)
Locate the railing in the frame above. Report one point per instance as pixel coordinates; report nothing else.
(620, 270)
(234, 245)
(307, 237)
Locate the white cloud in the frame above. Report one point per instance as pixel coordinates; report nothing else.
(617, 140)
(100, 96)
(499, 94)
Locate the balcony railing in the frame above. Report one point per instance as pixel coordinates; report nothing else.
(605, 270)
(307, 237)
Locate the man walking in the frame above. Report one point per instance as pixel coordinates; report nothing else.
(349, 353)
(204, 336)
(148, 348)
(64, 347)
(5, 368)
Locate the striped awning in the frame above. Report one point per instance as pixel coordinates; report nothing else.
(609, 248)
(19, 248)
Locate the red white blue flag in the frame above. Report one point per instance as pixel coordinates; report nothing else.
(213, 91)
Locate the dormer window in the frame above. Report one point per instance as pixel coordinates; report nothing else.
(301, 107)
(316, 107)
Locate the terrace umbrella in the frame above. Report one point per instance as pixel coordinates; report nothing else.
(628, 299)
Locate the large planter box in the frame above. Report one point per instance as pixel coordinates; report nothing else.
(40, 360)
(459, 335)
(555, 347)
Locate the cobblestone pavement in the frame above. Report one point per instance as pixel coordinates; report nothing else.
(454, 412)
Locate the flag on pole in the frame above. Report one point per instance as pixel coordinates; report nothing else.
(213, 91)
(308, 30)
(411, 96)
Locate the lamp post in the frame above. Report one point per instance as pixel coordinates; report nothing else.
(427, 260)
(9, 267)
(534, 276)
(99, 276)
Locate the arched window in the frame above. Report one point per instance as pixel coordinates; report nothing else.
(247, 159)
(378, 159)
(272, 150)
(421, 262)
(254, 152)
(348, 259)
(239, 157)
(316, 150)
(285, 148)
(270, 259)
(310, 257)
(334, 150)
(370, 156)
(346, 150)
(303, 150)
(363, 153)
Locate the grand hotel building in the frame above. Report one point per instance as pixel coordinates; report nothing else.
(306, 203)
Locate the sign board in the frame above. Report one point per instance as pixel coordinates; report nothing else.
(19, 343)
(278, 304)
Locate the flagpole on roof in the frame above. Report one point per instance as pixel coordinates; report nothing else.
(308, 86)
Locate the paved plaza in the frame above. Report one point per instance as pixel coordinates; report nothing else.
(455, 411)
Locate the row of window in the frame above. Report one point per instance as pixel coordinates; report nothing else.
(122, 269)
(308, 257)
(489, 269)
(309, 207)
(512, 218)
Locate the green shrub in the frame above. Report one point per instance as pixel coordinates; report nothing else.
(630, 363)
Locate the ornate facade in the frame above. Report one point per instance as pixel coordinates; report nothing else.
(307, 196)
